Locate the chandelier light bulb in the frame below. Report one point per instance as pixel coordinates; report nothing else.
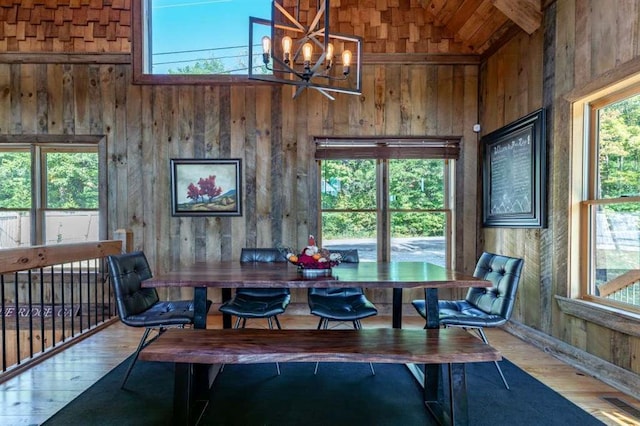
(266, 49)
(266, 45)
(287, 44)
(329, 56)
(307, 51)
(346, 61)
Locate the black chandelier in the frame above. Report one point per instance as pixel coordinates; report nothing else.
(304, 56)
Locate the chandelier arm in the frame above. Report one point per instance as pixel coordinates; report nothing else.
(293, 20)
(324, 92)
(318, 16)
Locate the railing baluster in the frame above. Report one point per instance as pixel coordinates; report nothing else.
(16, 292)
(62, 304)
(42, 316)
(53, 306)
(95, 295)
(73, 302)
(4, 325)
(30, 305)
(80, 298)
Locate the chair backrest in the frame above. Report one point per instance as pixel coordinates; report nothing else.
(262, 255)
(127, 272)
(348, 256)
(504, 273)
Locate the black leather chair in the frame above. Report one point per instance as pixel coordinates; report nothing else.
(341, 304)
(483, 307)
(141, 307)
(258, 302)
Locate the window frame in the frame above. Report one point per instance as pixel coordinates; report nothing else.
(139, 23)
(588, 156)
(387, 149)
(39, 146)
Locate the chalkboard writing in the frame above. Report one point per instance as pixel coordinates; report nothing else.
(510, 165)
(513, 174)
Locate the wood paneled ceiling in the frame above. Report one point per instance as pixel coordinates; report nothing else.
(480, 24)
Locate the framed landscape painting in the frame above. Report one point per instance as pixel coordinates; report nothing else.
(206, 187)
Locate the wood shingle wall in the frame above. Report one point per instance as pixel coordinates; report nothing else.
(79, 26)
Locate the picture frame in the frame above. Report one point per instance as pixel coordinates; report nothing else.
(206, 187)
(514, 171)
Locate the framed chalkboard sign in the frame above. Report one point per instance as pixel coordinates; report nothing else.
(514, 174)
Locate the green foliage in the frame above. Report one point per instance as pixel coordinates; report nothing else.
(350, 185)
(619, 149)
(71, 180)
(207, 66)
(15, 178)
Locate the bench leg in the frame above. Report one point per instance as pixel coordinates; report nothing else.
(459, 409)
(187, 410)
(452, 410)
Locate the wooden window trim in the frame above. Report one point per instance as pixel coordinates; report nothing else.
(402, 148)
(585, 161)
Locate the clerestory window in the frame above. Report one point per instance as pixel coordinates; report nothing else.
(196, 41)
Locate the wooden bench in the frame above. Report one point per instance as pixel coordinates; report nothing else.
(451, 346)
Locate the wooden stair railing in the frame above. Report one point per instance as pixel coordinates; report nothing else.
(625, 280)
(50, 297)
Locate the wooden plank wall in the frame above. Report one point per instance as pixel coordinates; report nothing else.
(146, 126)
(72, 76)
(582, 41)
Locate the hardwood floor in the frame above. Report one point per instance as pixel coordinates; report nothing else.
(32, 397)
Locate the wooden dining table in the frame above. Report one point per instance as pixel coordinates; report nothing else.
(372, 275)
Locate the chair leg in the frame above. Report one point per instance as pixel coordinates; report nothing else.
(358, 326)
(135, 356)
(243, 325)
(277, 322)
(271, 328)
(484, 339)
(322, 324)
(236, 325)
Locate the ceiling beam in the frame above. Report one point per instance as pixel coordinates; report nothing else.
(525, 13)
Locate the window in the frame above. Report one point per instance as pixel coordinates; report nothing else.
(610, 212)
(396, 209)
(49, 194)
(196, 40)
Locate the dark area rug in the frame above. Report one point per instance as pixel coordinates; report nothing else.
(340, 394)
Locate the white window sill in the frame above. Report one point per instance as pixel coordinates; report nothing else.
(606, 316)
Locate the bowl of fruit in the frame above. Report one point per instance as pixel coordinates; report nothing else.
(313, 260)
